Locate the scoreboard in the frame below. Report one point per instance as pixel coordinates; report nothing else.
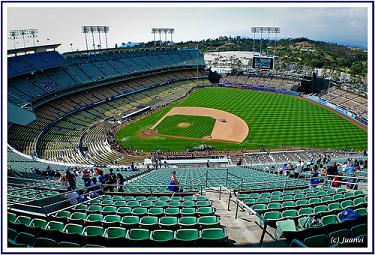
(263, 62)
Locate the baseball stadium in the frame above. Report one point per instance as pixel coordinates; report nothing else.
(152, 147)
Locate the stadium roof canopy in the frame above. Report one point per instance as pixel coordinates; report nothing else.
(33, 49)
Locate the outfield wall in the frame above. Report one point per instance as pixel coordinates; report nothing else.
(337, 109)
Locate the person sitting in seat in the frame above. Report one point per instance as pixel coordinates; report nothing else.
(174, 185)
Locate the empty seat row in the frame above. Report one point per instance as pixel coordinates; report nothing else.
(117, 236)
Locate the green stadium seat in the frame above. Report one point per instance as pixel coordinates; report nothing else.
(38, 223)
(202, 203)
(288, 197)
(259, 208)
(188, 222)
(188, 212)
(111, 221)
(149, 222)
(117, 198)
(359, 201)
(214, 235)
(272, 217)
(329, 219)
(73, 230)
(359, 230)
(94, 219)
(12, 234)
(164, 198)
(106, 202)
(320, 209)
(316, 241)
(201, 198)
(168, 222)
(129, 222)
(176, 198)
(129, 198)
(289, 214)
(77, 217)
(114, 235)
(274, 206)
(139, 211)
(203, 211)
(119, 203)
(251, 201)
(45, 242)
(261, 200)
(299, 196)
(302, 202)
(349, 195)
(23, 220)
(138, 235)
(314, 201)
(158, 212)
(133, 204)
(347, 204)
(301, 222)
(174, 204)
(25, 239)
(209, 221)
(340, 233)
(361, 211)
(162, 236)
(93, 232)
(326, 199)
(54, 227)
(161, 204)
(330, 192)
(95, 202)
(109, 210)
(172, 211)
(12, 217)
(288, 204)
(69, 244)
(146, 204)
(188, 204)
(334, 207)
(305, 211)
(338, 197)
(276, 199)
(276, 193)
(80, 208)
(94, 209)
(358, 193)
(122, 211)
(284, 226)
(63, 216)
(187, 235)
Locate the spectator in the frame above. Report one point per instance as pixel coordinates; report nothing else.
(208, 164)
(314, 178)
(298, 169)
(72, 196)
(289, 168)
(86, 177)
(71, 178)
(332, 170)
(120, 182)
(174, 185)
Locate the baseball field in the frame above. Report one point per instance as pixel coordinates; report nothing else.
(273, 120)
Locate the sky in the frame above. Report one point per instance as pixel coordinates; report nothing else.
(346, 26)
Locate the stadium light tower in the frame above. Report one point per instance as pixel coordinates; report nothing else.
(13, 35)
(85, 30)
(154, 31)
(33, 33)
(261, 30)
(95, 29)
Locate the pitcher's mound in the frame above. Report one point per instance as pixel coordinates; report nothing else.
(184, 125)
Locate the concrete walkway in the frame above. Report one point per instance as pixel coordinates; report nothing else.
(245, 230)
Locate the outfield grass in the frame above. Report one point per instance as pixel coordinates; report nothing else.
(274, 120)
(200, 126)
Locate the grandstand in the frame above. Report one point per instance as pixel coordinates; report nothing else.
(71, 184)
